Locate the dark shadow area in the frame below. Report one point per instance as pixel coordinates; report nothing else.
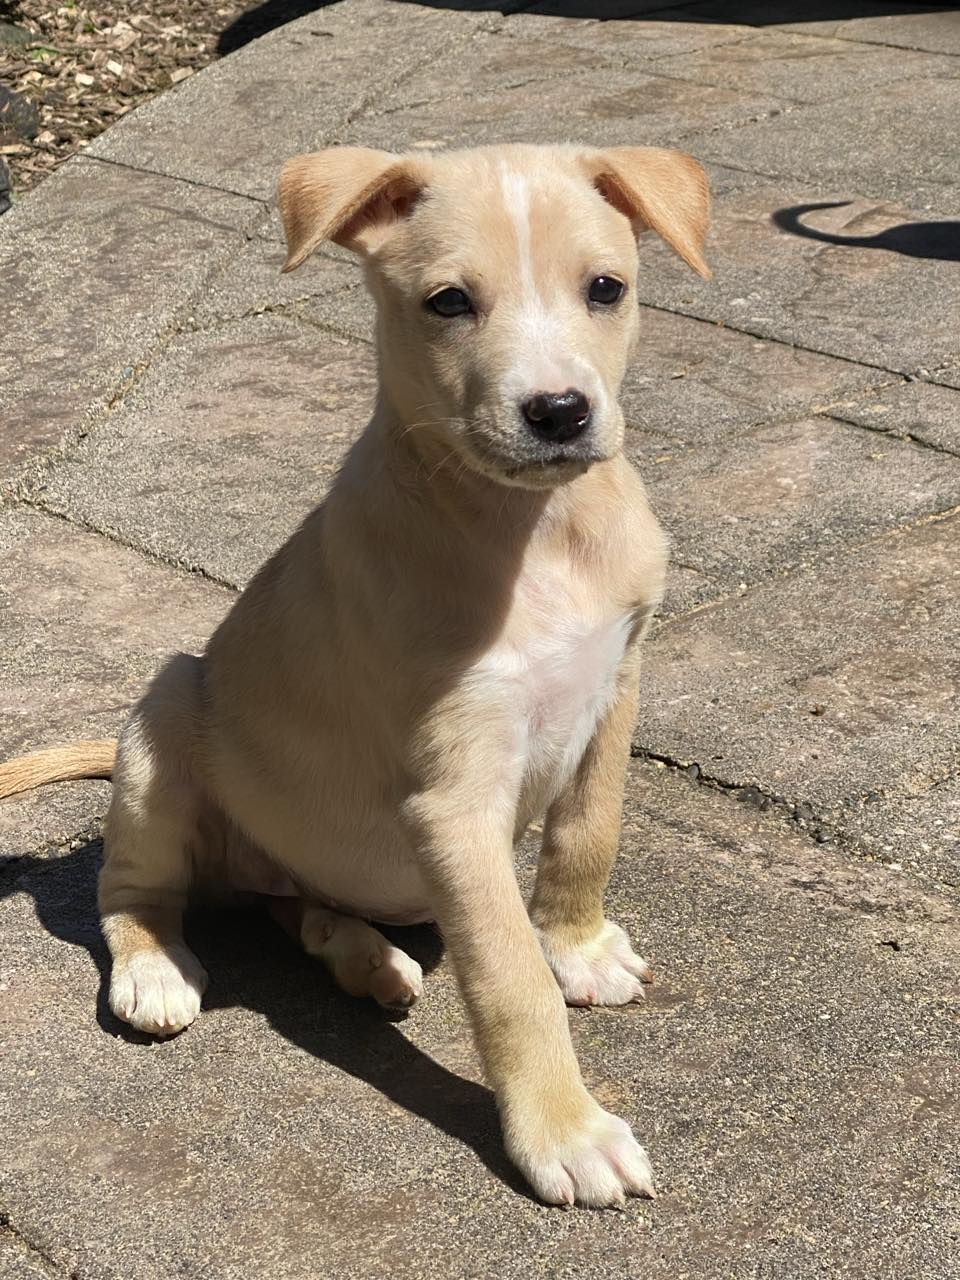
(938, 240)
(261, 18)
(252, 964)
(751, 13)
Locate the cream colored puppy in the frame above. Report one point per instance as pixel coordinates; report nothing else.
(445, 650)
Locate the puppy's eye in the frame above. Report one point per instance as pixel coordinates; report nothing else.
(605, 290)
(449, 303)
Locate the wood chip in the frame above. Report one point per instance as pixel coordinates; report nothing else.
(94, 60)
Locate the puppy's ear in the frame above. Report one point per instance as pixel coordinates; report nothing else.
(350, 195)
(663, 191)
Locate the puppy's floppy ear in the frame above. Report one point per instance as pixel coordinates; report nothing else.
(350, 195)
(663, 191)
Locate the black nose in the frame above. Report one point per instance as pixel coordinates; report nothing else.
(557, 416)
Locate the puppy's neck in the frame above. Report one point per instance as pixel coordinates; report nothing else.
(462, 499)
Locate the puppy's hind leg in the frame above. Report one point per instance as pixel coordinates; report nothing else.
(156, 982)
(362, 961)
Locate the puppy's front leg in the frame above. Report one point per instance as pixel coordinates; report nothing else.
(591, 957)
(567, 1146)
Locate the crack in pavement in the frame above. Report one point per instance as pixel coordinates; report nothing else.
(31, 502)
(800, 814)
(178, 177)
(893, 434)
(37, 1254)
(690, 314)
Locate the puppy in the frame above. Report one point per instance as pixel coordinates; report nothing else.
(444, 651)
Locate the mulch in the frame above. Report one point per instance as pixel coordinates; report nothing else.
(68, 71)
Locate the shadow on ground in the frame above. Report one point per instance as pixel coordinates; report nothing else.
(261, 18)
(253, 965)
(937, 240)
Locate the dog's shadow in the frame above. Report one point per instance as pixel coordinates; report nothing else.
(254, 965)
(939, 241)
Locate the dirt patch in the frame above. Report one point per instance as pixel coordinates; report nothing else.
(68, 71)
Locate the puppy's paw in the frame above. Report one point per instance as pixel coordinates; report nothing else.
(397, 980)
(379, 970)
(158, 991)
(597, 1162)
(603, 970)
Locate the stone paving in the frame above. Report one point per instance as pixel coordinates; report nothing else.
(171, 408)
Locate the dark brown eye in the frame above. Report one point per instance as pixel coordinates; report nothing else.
(449, 303)
(605, 290)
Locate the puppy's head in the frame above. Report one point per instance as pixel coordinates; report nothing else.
(505, 285)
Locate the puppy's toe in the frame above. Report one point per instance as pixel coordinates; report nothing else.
(158, 991)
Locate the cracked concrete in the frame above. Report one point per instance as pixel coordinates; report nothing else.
(791, 850)
(67, 350)
(802, 696)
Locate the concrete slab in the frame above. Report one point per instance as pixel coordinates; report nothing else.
(85, 624)
(858, 150)
(291, 91)
(18, 1261)
(924, 26)
(349, 313)
(251, 284)
(615, 108)
(825, 687)
(866, 280)
(531, 48)
(921, 411)
(793, 1075)
(919, 832)
(628, 42)
(697, 381)
(686, 589)
(785, 495)
(535, 51)
(180, 448)
(95, 266)
(798, 68)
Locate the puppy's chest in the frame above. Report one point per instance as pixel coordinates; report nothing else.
(552, 675)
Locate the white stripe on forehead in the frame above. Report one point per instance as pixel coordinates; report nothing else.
(516, 197)
(543, 356)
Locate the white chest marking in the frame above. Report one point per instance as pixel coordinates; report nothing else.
(554, 685)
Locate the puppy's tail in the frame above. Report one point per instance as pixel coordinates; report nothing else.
(92, 758)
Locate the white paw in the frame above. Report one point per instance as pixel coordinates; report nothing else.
(599, 1165)
(158, 991)
(397, 980)
(604, 970)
